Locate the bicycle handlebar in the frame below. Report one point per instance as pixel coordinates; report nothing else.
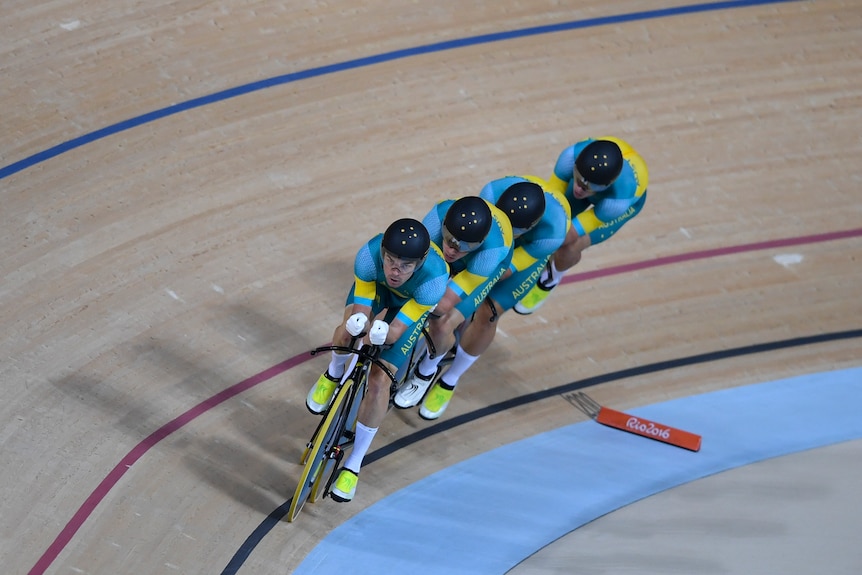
(368, 353)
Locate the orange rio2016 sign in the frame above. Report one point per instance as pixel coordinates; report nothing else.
(647, 428)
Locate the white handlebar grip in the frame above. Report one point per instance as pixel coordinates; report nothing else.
(356, 323)
(378, 333)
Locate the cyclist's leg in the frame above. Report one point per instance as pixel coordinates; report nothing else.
(375, 405)
(567, 256)
(395, 355)
(476, 338)
(321, 393)
(372, 411)
(479, 333)
(438, 397)
(442, 334)
(455, 319)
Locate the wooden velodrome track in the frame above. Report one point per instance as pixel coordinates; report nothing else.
(184, 188)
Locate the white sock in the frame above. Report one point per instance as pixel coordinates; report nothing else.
(460, 365)
(551, 276)
(361, 443)
(428, 366)
(336, 364)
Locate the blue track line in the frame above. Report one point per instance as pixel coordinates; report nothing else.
(237, 91)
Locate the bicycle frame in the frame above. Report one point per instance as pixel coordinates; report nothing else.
(335, 431)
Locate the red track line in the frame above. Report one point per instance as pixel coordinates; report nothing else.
(704, 254)
(144, 446)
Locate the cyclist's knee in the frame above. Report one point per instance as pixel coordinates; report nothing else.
(571, 238)
(378, 382)
(569, 254)
(442, 326)
(340, 336)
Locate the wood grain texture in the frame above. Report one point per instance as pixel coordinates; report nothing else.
(148, 270)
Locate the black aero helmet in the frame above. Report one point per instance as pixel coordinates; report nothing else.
(406, 239)
(600, 163)
(524, 203)
(468, 221)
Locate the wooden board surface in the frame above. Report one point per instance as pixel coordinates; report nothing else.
(183, 239)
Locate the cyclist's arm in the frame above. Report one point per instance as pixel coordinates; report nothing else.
(364, 277)
(447, 303)
(556, 184)
(407, 316)
(363, 296)
(564, 169)
(364, 283)
(463, 284)
(521, 259)
(360, 308)
(586, 222)
(396, 329)
(603, 213)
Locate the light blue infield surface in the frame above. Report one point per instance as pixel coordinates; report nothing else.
(487, 514)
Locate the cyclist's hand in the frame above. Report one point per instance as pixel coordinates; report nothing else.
(379, 331)
(356, 324)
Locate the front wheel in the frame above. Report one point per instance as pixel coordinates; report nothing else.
(316, 457)
(350, 411)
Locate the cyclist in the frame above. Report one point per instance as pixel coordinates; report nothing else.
(399, 276)
(605, 182)
(476, 239)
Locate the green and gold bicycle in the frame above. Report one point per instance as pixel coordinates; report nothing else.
(335, 432)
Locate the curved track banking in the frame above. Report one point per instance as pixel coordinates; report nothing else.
(85, 139)
(144, 446)
(68, 532)
(560, 480)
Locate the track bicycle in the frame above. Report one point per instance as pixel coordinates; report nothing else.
(334, 433)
